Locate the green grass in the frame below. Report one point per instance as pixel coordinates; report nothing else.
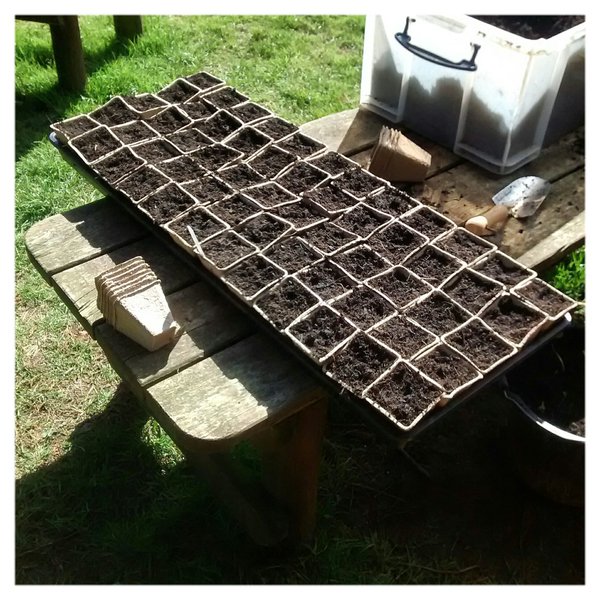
(102, 494)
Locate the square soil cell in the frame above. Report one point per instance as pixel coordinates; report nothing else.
(292, 254)
(276, 127)
(248, 112)
(203, 224)
(271, 161)
(428, 222)
(361, 262)
(144, 102)
(300, 145)
(240, 176)
(114, 112)
(331, 197)
(363, 307)
(362, 220)
(333, 163)
(326, 280)
(358, 182)
(178, 91)
(321, 331)
(203, 80)
(502, 269)
(182, 169)
(392, 202)
(136, 131)
(155, 151)
(248, 140)
(270, 195)
(405, 394)
(117, 165)
(252, 275)
(400, 286)
(167, 203)
(225, 249)
(300, 214)
(328, 238)
(480, 345)
(219, 125)
(464, 245)
(226, 97)
(544, 296)
(73, 127)
(438, 314)
(511, 319)
(189, 139)
(168, 121)
(301, 177)
(403, 336)
(141, 183)
(396, 242)
(235, 209)
(208, 189)
(358, 364)
(96, 143)
(198, 110)
(285, 302)
(215, 156)
(432, 265)
(471, 290)
(262, 230)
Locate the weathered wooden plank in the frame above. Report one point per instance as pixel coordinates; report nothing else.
(210, 324)
(250, 385)
(76, 236)
(79, 290)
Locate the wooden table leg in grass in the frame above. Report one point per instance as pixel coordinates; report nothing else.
(222, 383)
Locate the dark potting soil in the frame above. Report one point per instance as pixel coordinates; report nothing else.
(321, 331)
(433, 266)
(533, 27)
(198, 110)
(226, 248)
(136, 131)
(189, 139)
(403, 336)
(203, 224)
(404, 393)
(333, 163)
(285, 302)
(511, 319)
(252, 275)
(225, 97)
(96, 143)
(76, 126)
(361, 220)
(360, 363)
(400, 286)
(358, 182)
(167, 203)
(208, 189)
(292, 254)
(168, 121)
(438, 314)
(182, 169)
(301, 177)
(117, 165)
(428, 222)
(300, 145)
(219, 126)
(481, 346)
(262, 230)
(271, 161)
(472, 291)
(300, 214)
(331, 197)
(215, 156)
(392, 201)
(502, 269)
(235, 209)
(248, 140)
(361, 262)
(328, 237)
(363, 307)
(144, 102)
(249, 112)
(155, 151)
(142, 182)
(463, 245)
(270, 195)
(240, 176)
(114, 112)
(276, 127)
(178, 91)
(396, 242)
(544, 296)
(446, 368)
(326, 280)
(203, 80)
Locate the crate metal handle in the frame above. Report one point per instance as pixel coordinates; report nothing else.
(463, 65)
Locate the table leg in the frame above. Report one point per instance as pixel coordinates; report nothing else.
(128, 27)
(68, 53)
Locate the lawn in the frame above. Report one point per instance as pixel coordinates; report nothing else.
(103, 496)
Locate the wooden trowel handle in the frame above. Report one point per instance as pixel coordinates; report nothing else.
(489, 222)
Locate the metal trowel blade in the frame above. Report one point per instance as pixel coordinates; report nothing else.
(523, 196)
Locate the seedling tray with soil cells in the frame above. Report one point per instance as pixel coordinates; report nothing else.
(393, 304)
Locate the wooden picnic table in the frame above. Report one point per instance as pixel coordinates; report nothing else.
(224, 381)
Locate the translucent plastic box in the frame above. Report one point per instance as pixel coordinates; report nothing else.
(491, 96)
